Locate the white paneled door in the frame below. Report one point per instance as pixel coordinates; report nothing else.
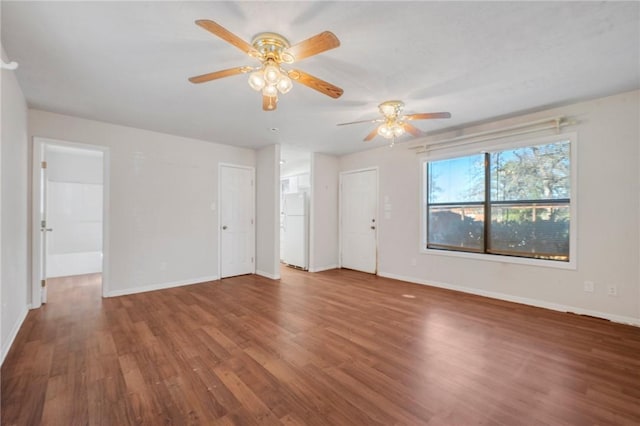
(237, 221)
(358, 220)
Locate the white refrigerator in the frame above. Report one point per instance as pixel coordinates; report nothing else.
(296, 230)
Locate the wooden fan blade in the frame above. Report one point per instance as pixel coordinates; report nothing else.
(312, 46)
(410, 128)
(372, 135)
(228, 36)
(427, 115)
(269, 103)
(219, 74)
(316, 84)
(361, 121)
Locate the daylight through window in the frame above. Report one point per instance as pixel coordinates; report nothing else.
(513, 202)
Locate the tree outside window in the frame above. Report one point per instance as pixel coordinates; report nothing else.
(512, 202)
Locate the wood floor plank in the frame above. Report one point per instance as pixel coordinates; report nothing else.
(243, 393)
(332, 348)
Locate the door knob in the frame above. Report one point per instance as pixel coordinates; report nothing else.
(224, 227)
(373, 227)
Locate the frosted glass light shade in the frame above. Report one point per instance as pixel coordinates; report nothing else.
(285, 84)
(385, 131)
(256, 81)
(270, 90)
(271, 74)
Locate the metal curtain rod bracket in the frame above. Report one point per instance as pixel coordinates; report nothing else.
(8, 66)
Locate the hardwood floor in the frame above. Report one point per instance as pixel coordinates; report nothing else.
(336, 347)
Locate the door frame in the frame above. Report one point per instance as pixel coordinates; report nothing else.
(253, 211)
(39, 145)
(377, 198)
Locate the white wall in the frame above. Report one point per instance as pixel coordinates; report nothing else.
(608, 219)
(163, 192)
(324, 213)
(268, 212)
(14, 277)
(74, 211)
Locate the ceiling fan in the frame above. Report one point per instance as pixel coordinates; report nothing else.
(394, 124)
(273, 50)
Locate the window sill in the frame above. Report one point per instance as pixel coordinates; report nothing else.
(503, 259)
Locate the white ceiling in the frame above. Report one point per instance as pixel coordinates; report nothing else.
(128, 63)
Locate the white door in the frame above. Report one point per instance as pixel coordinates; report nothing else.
(358, 220)
(44, 229)
(237, 230)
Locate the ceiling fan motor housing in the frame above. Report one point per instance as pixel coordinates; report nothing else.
(273, 46)
(391, 109)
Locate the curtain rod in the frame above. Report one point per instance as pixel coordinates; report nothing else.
(8, 66)
(517, 129)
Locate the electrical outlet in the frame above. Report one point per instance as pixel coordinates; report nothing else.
(589, 286)
(612, 290)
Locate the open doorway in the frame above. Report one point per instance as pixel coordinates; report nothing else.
(295, 189)
(70, 206)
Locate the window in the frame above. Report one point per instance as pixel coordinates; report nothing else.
(513, 202)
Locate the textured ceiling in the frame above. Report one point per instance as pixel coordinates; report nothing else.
(128, 63)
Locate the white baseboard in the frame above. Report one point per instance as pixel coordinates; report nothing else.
(323, 268)
(161, 286)
(14, 333)
(268, 275)
(518, 299)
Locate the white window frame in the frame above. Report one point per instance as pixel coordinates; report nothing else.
(492, 146)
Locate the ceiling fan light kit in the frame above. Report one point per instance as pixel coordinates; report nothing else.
(393, 127)
(270, 78)
(391, 130)
(272, 50)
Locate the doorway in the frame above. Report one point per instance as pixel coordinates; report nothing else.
(236, 220)
(295, 200)
(69, 214)
(358, 220)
